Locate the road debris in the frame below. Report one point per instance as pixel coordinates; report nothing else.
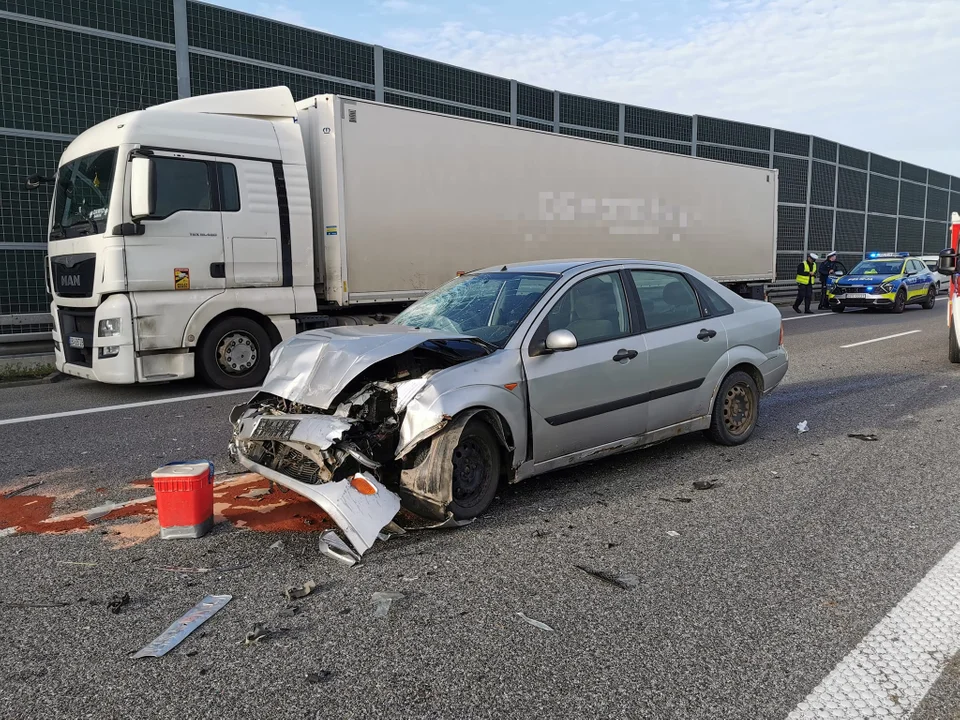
(200, 570)
(260, 632)
(676, 499)
(183, 626)
(278, 545)
(23, 489)
(704, 484)
(255, 494)
(802, 427)
(864, 437)
(622, 581)
(295, 593)
(673, 533)
(290, 611)
(383, 601)
(320, 677)
(117, 601)
(333, 546)
(535, 623)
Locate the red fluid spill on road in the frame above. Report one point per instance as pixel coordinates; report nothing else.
(28, 513)
(276, 512)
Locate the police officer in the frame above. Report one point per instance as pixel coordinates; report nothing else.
(826, 268)
(806, 276)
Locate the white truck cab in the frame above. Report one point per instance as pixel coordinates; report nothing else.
(173, 233)
(948, 267)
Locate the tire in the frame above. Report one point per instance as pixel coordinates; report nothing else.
(954, 345)
(234, 353)
(474, 470)
(899, 303)
(838, 308)
(931, 299)
(738, 396)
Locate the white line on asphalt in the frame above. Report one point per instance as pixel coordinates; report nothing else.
(885, 337)
(808, 317)
(125, 406)
(900, 659)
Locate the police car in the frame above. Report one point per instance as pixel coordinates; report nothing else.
(884, 280)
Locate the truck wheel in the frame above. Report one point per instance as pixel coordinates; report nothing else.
(735, 411)
(954, 345)
(234, 353)
(931, 299)
(900, 302)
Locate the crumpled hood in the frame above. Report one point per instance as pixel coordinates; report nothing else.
(313, 367)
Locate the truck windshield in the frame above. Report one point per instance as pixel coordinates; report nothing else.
(488, 306)
(81, 198)
(878, 267)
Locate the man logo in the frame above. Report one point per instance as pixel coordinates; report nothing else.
(70, 281)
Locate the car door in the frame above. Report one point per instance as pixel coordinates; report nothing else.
(683, 344)
(920, 281)
(184, 238)
(251, 228)
(594, 394)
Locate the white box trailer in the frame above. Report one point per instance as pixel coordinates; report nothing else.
(409, 197)
(192, 237)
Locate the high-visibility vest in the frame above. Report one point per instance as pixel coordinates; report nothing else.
(810, 271)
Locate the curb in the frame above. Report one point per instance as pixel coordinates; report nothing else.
(54, 377)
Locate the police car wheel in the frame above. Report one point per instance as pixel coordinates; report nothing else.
(735, 411)
(931, 300)
(838, 308)
(900, 302)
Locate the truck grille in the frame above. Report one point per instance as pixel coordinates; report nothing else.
(73, 274)
(77, 323)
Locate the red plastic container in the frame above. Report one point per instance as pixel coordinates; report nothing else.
(184, 499)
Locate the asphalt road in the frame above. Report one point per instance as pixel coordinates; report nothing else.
(774, 577)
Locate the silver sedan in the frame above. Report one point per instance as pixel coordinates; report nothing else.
(506, 373)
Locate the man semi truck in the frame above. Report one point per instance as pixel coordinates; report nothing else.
(192, 237)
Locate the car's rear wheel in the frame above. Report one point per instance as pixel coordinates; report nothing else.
(954, 345)
(736, 410)
(900, 302)
(931, 299)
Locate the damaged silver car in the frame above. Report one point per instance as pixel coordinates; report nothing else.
(502, 374)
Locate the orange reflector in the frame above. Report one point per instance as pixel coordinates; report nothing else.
(781, 333)
(362, 485)
(511, 386)
(460, 273)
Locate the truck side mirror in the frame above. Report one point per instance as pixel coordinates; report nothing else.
(947, 263)
(143, 188)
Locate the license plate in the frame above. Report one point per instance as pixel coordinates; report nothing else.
(856, 296)
(275, 428)
(76, 342)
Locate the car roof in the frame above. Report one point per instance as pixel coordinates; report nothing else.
(561, 267)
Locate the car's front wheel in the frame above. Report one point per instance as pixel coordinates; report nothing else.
(736, 410)
(900, 302)
(838, 308)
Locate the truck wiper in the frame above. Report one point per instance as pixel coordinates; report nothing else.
(89, 221)
(57, 232)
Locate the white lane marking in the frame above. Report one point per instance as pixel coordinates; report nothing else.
(808, 317)
(125, 406)
(896, 664)
(885, 337)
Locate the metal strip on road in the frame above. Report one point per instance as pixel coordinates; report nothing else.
(885, 337)
(125, 406)
(895, 665)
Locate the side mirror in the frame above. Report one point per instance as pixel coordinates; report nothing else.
(143, 190)
(947, 264)
(561, 340)
(35, 181)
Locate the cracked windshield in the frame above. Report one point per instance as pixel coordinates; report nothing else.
(488, 306)
(83, 195)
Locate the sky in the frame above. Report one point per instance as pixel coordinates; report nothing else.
(880, 75)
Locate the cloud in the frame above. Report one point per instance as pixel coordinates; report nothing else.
(879, 76)
(404, 7)
(282, 13)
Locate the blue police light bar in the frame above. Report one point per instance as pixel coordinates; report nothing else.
(873, 255)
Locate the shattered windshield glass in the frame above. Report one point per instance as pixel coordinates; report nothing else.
(485, 305)
(878, 267)
(82, 195)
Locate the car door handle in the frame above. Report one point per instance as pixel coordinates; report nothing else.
(625, 355)
(705, 334)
